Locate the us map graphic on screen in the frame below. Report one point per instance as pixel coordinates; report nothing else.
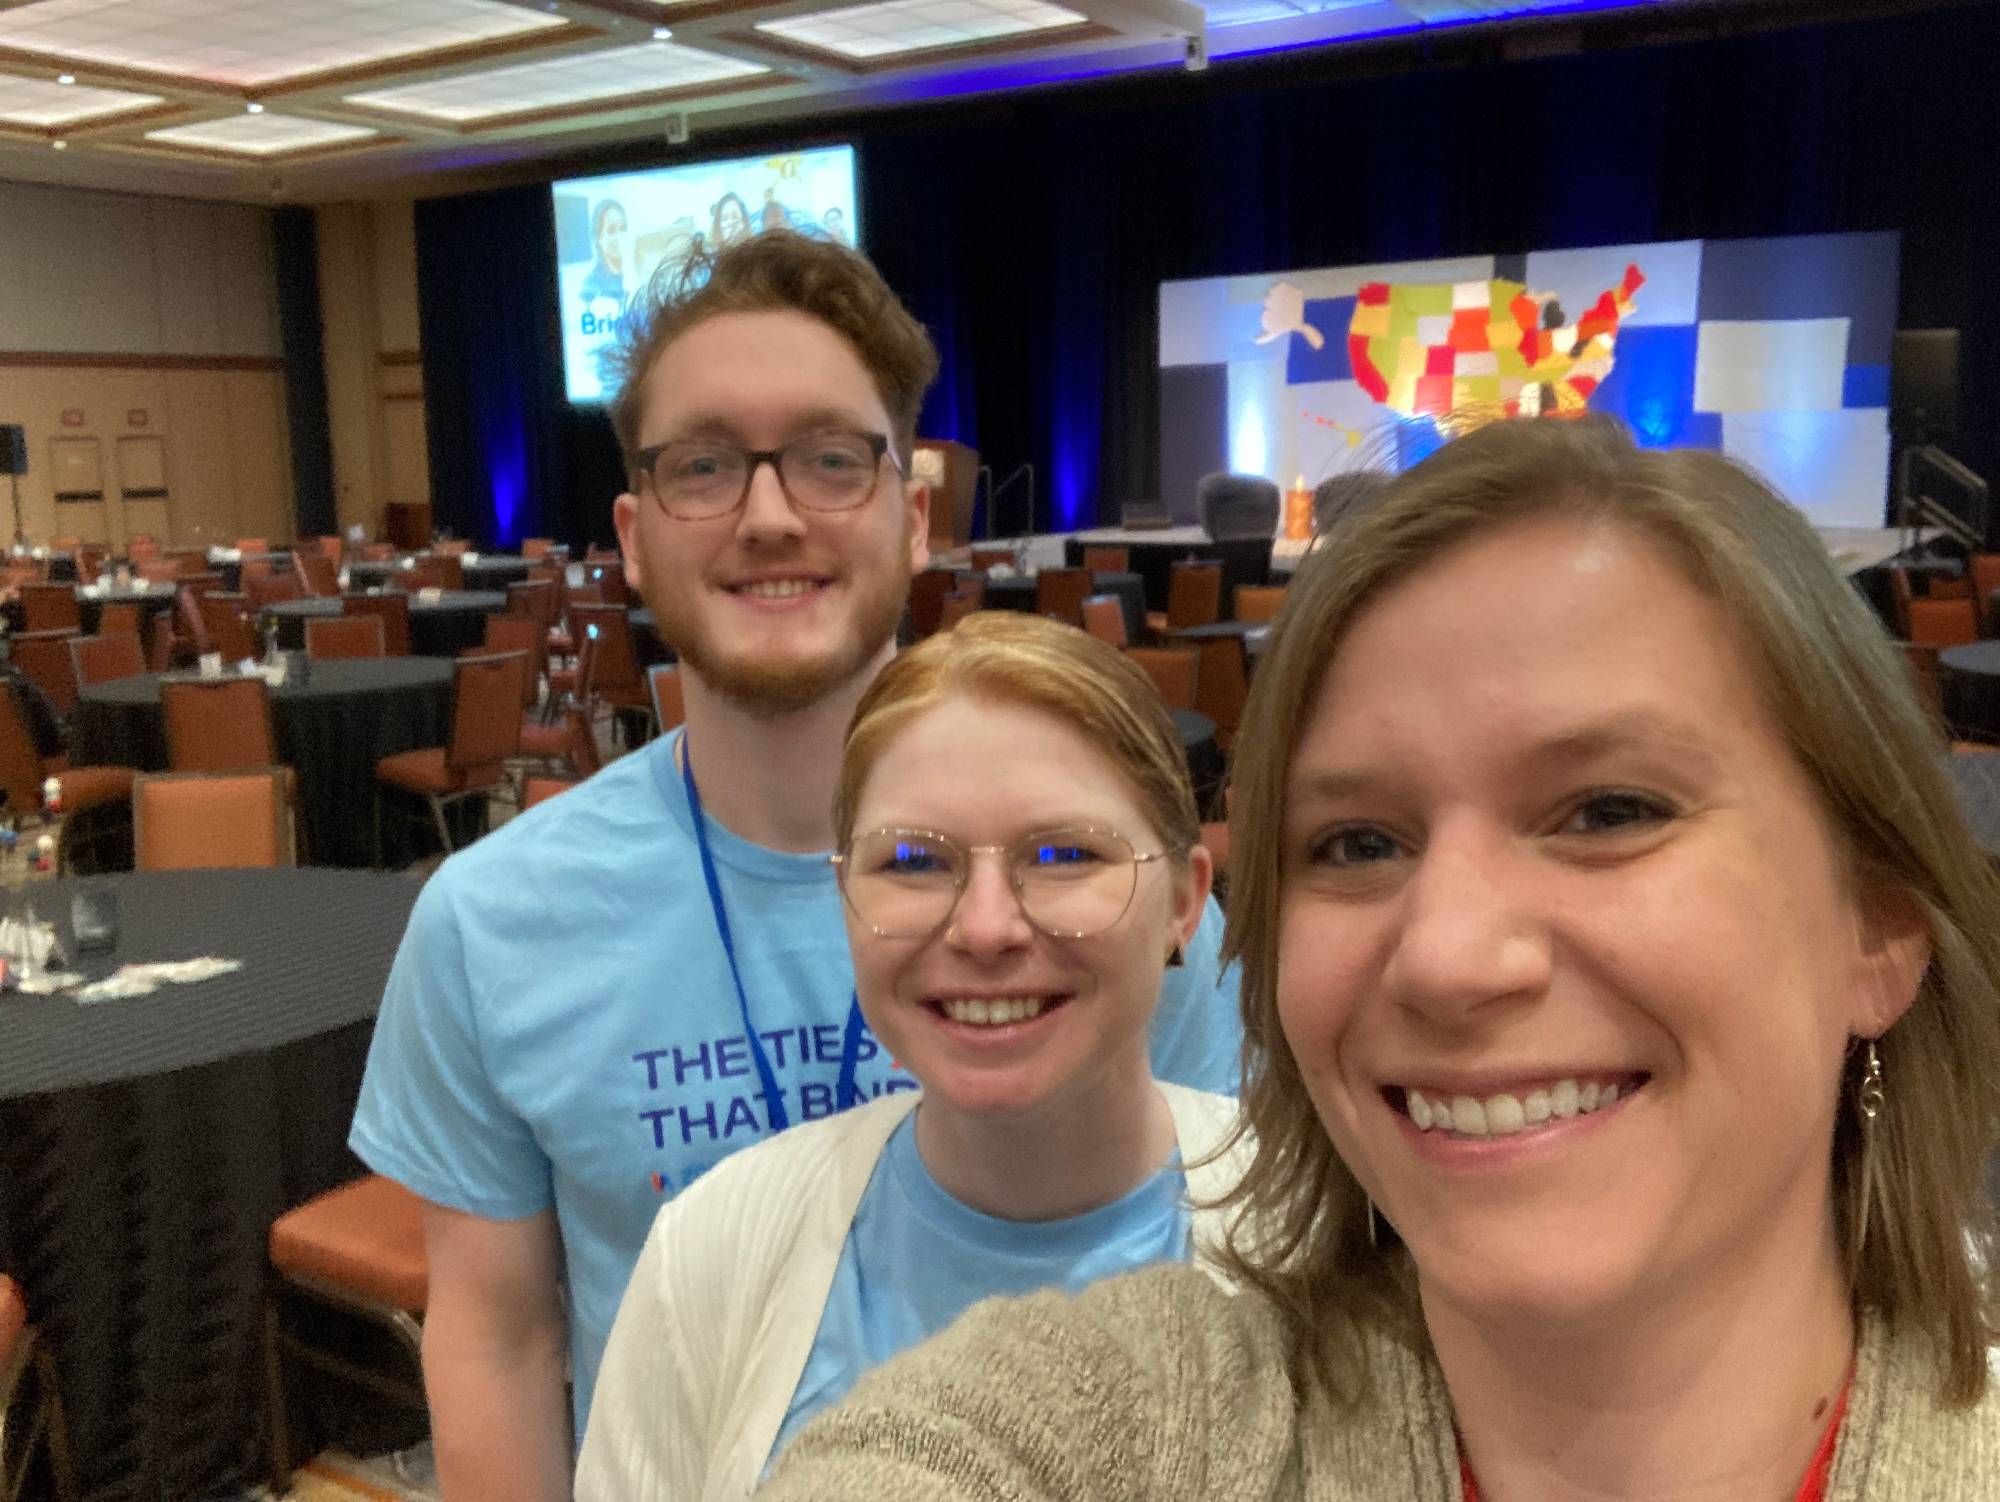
(1774, 351)
(613, 233)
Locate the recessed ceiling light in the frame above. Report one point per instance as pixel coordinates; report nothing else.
(65, 78)
(60, 145)
(253, 107)
(663, 33)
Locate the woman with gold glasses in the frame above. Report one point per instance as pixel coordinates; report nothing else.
(1016, 851)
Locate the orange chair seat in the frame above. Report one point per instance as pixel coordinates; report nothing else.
(365, 1238)
(95, 787)
(538, 739)
(426, 771)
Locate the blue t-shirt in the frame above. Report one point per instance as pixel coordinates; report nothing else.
(560, 1027)
(916, 1259)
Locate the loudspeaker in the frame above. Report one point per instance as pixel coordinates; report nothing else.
(1923, 385)
(13, 449)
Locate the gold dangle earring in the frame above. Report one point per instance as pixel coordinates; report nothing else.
(1868, 1100)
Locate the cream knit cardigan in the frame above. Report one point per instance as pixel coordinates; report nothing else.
(724, 1304)
(1159, 1386)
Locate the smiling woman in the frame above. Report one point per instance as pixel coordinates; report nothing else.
(1623, 999)
(1016, 847)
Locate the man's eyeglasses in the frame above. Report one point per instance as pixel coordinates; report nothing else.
(702, 478)
(1071, 883)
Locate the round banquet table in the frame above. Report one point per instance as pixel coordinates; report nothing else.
(331, 729)
(147, 1144)
(1970, 679)
(443, 627)
(492, 571)
(153, 600)
(1975, 777)
(1018, 593)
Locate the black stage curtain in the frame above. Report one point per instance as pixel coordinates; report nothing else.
(295, 253)
(1031, 232)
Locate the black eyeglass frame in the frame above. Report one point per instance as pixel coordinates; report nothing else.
(839, 861)
(647, 460)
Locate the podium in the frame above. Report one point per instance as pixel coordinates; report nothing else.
(951, 470)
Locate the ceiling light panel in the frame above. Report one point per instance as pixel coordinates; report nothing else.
(253, 42)
(261, 135)
(582, 78)
(39, 102)
(899, 26)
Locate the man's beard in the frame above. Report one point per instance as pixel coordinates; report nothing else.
(788, 685)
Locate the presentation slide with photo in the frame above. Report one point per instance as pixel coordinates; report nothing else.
(614, 233)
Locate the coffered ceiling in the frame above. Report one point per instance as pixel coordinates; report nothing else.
(303, 98)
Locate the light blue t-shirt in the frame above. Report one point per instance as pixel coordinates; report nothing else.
(916, 1259)
(560, 1027)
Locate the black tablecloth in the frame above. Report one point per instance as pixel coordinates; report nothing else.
(1018, 593)
(1204, 757)
(231, 569)
(1975, 775)
(1970, 680)
(443, 627)
(1245, 560)
(493, 571)
(1253, 633)
(332, 728)
(152, 602)
(146, 1145)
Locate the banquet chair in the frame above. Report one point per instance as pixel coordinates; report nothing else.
(535, 548)
(563, 734)
(50, 607)
(610, 578)
(90, 558)
(1174, 671)
(1259, 602)
(23, 770)
(394, 610)
(190, 821)
(540, 789)
(218, 724)
(1060, 593)
(518, 633)
(142, 545)
(268, 587)
(617, 678)
(249, 545)
(33, 1437)
(229, 626)
(1222, 684)
(441, 570)
(1194, 597)
(485, 731)
(1104, 618)
(1984, 571)
(959, 604)
(99, 659)
(44, 657)
(1105, 557)
(449, 547)
(189, 561)
(159, 570)
(378, 552)
(1943, 623)
(343, 636)
(985, 558)
(534, 598)
(928, 588)
(663, 680)
(360, 1250)
(120, 617)
(317, 571)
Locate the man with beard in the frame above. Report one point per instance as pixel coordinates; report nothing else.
(601, 1000)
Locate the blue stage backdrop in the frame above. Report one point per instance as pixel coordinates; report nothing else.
(1032, 233)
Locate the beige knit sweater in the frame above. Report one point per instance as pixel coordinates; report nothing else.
(1161, 1386)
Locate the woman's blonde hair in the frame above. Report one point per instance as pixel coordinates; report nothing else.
(1036, 663)
(1843, 696)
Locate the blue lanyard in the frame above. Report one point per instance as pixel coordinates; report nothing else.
(844, 1092)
